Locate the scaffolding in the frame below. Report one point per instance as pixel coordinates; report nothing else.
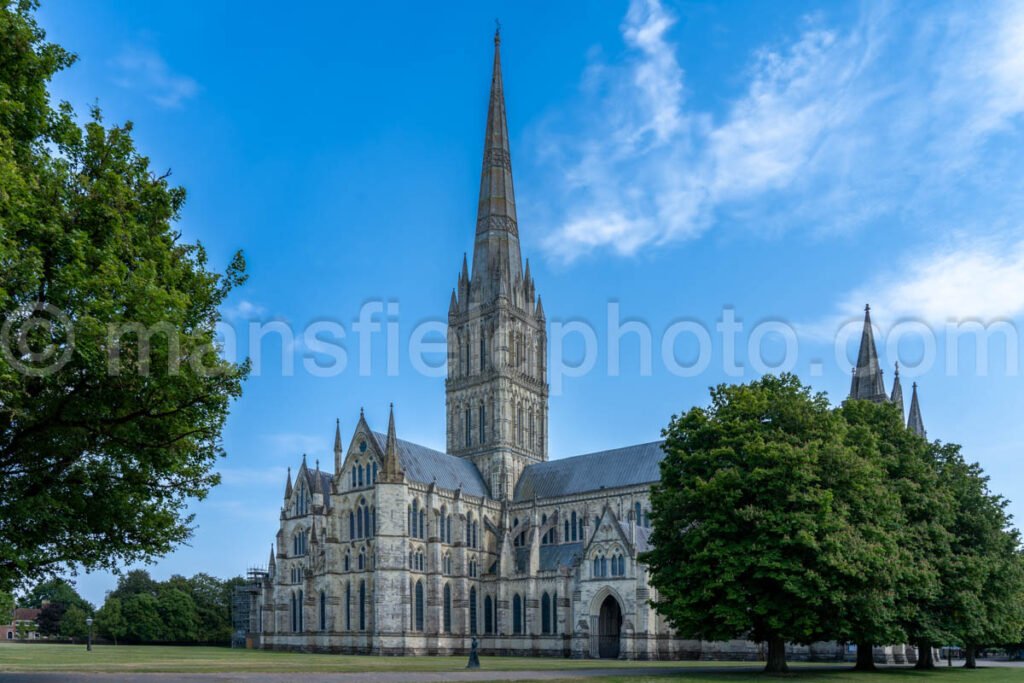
(245, 606)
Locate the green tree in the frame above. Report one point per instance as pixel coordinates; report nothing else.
(887, 607)
(110, 622)
(746, 540)
(56, 591)
(982, 581)
(73, 624)
(142, 616)
(101, 451)
(6, 605)
(135, 582)
(178, 615)
(212, 598)
(49, 618)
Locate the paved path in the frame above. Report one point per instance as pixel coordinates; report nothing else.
(404, 676)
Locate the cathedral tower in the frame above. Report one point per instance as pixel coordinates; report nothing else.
(496, 392)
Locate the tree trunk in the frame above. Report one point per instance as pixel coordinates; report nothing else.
(969, 653)
(776, 663)
(924, 655)
(865, 657)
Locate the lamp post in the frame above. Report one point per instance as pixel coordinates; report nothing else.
(88, 645)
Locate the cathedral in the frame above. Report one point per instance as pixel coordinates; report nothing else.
(400, 549)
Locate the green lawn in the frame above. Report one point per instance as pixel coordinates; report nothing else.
(145, 658)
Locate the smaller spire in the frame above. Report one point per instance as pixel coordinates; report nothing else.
(453, 307)
(867, 383)
(272, 563)
(540, 309)
(897, 391)
(337, 446)
(288, 486)
(914, 422)
(392, 467)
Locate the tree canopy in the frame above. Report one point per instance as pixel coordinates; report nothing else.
(113, 393)
(781, 519)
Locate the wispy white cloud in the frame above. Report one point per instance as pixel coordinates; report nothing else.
(244, 310)
(294, 445)
(144, 70)
(252, 476)
(965, 279)
(830, 130)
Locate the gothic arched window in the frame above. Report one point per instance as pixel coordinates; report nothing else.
(472, 611)
(574, 537)
(482, 417)
(362, 605)
(348, 606)
(419, 605)
(488, 615)
(323, 611)
(447, 621)
(638, 514)
(545, 613)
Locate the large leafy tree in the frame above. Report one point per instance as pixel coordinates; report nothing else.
(872, 560)
(746, 536)
(894, 604)
(112, 391)
(110, 620)
(982, 596)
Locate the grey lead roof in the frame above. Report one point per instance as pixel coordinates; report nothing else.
(425, 465)
(552, 557)
(629, 466)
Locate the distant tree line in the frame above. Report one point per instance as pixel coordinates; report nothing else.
(139, 610)
(782, 519)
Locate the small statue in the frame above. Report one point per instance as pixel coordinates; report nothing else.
(474, 658)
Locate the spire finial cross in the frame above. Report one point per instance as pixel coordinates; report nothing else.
(497, 31)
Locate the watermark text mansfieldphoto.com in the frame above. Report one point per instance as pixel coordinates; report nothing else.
(40, 340)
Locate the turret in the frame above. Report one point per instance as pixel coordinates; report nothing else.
(914, 422)
(392, 473)
(288, 486)
(338, 459)
(897, 390)
(867, 384)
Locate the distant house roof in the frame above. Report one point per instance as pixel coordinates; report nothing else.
(425, 465)
(26, 613)
(629, 466)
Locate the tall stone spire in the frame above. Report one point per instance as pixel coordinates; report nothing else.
(867, 384)
(897, 391)
(496, 394)
(497, 260)
(914, 422)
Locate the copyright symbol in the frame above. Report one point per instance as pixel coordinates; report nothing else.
(37, 339)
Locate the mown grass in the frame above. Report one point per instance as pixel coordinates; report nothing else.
(17, 657)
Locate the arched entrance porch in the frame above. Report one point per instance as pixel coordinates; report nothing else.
(609, 628)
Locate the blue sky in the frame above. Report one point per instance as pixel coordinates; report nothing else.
(772, 161)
